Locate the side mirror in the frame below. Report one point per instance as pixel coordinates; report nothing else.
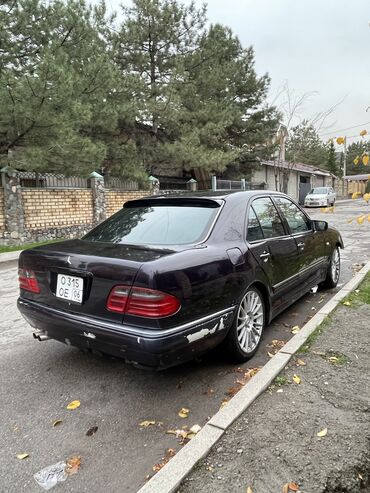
(320, 225)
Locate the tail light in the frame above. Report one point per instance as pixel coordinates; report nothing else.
(142, 302)
(27, 280)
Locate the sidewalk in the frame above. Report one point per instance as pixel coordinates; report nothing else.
(276, 440)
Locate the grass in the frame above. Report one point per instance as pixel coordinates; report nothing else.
(361, 294)
(281, 380)
(14, 248)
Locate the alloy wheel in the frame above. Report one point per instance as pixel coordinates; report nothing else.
(250, 319)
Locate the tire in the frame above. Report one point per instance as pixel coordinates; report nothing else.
(245, 334)
(333, 273)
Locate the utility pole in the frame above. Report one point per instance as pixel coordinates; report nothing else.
(345, 157)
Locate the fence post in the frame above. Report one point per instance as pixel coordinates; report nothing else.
(214, 183)
(242, 183)
(13, 207)
(154, 185)
(192, 185)
(98, 197)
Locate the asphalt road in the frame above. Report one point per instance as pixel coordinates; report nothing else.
(40, 379)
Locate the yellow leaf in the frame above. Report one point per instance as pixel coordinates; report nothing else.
(286, 488)
(22, 456)
(322, 433)
(365, 159)
(361, 219)
(295, 329)
(363, 133)
(296, 379)
(249, 490)
(145, 424)
(356, 160)
(57, 422)
(224, 403)
(270, 355)
(340, 140)
(349, 221)
(347, 303)
(300, 362)
(74, 405)
(184, 412)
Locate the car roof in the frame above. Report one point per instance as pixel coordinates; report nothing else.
(216, 195)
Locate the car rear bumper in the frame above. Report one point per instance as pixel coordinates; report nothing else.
(156, 349)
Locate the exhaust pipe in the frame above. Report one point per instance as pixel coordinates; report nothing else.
(41, 336)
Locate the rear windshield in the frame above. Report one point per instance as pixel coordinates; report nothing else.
(320, 190)
(156, 225)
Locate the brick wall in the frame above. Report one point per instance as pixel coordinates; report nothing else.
(2, 218)
(51, 208)
(114, 199)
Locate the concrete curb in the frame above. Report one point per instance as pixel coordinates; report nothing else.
(169, 478)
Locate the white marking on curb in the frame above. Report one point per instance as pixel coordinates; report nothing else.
(169, 478)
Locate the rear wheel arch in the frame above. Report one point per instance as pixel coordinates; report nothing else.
(266, 298)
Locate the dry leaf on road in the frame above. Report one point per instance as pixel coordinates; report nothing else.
(91, 431)
(146, 423)
(322, 433)
(249, 490)
(168, 455)
(74, 405)
(73, 465)
(296, 379)
(22, 456)
(300, 362)
(184, 412)
(295, 329)
(347, 303)
(57, 422)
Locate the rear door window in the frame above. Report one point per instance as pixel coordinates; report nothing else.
(157, 224)
(297, 221)
(268, 217)
(254, 231)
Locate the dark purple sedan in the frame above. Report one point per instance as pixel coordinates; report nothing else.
(167, 278)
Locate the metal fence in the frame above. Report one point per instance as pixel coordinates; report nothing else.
(225, 185)
(32, 179)
(120, 184)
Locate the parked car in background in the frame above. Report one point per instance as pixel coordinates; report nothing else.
(320, 197)
(167, 278)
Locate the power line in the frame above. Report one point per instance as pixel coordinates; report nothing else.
(348, 128)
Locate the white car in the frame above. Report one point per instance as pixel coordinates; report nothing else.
(320, 197)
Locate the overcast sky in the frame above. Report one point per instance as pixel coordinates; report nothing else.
(316, 45)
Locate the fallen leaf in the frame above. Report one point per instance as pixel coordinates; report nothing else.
(322, 433)
(286, 488)
(300, 362)
(333, 359)
(270, 355)
(168, 455)
(249, 490)
(57, 422)
(22, 456)
(91, 431)
(74, 405)
(293, 486)
(347, 303)
(224, 403)
(295, 329)
(147, 423)
(73, 465)
(296, 379)
(195, 429)
(184, 412)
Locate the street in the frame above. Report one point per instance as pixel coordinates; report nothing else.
(40, 379)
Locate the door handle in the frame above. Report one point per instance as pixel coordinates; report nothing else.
(265, 255)
(301, 245)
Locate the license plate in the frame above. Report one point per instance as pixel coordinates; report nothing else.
(69, 288)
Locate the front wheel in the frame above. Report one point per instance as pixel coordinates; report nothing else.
(332, 275)
(246, 332)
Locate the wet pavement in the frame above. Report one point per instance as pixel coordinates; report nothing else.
(40, 379)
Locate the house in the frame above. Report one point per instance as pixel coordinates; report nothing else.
(302, 177)
(356, 183)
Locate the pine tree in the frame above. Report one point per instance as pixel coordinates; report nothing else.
(331, 162)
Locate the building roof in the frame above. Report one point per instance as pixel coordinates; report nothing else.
(357, 177)
(305, 168)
